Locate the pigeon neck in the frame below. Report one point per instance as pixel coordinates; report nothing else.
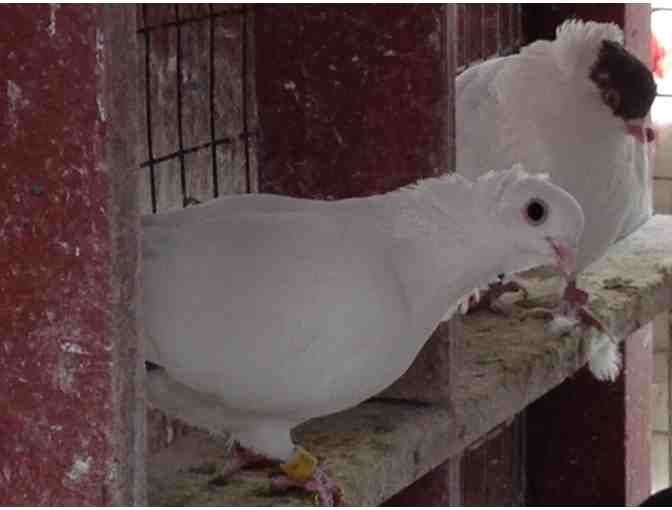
(442, 253)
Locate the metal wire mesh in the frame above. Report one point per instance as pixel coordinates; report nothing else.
(486, 31)
(199, 117)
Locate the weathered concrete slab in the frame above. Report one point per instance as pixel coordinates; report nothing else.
(378, 448)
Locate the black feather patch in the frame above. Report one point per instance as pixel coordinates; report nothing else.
(627, 85)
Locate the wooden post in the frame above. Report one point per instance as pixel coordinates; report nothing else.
(588, 441)
(71, 420)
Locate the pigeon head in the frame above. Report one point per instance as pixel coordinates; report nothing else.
(541, 221)
(594, 51)
(626, 85)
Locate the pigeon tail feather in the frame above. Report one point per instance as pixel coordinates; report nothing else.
(605, 358)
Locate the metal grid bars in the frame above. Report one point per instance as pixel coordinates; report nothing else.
(486, 31)
(200, 117)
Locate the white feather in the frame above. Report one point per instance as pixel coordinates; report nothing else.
(605, 358)
(561, 325)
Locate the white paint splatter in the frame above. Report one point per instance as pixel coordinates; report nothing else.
(228, 33)
(64, 378)
(7, 473)
(72, 347)
(102, 115)
(15, 95)
(170, 433)
(79, 468)
(100, 67)
(51, 28)
(100, 47)
(16, 102)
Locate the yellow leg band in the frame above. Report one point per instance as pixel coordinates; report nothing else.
(301, 466)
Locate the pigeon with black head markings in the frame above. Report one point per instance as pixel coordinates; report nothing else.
(574, 108)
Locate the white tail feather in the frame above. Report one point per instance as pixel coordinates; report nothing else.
(605, 358)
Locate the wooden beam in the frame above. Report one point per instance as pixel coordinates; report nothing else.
(71, 419)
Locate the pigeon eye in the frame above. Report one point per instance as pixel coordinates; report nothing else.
(536, 212)
(612, 99)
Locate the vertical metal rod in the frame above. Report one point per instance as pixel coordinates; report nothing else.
(517, 18)
(215, 176)
(148, 111)
(246, 134)
(499, 48)
(484, 32)
(180, 139)
(465, 35)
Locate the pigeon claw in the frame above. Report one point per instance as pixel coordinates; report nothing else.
(488, 299)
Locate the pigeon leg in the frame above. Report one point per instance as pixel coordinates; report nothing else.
(302, 471)
(573, 300)
(488, 299)
(573, 306)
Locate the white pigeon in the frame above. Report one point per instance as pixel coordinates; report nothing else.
(265, 311)
(574, 108)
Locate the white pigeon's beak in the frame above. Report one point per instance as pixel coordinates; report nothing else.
(565, 257)
(640, 130)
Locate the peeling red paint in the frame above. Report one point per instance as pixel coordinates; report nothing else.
(55, 358)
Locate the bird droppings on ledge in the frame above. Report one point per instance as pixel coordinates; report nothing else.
(380, 447)
(617, 282)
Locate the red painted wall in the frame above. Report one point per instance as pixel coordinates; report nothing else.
(353, 100)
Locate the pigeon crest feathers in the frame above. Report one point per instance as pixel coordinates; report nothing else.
(474, 204)
(500, 201)
(545, 94)
(578, 44)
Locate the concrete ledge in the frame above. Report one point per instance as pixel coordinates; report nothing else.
(380, 447)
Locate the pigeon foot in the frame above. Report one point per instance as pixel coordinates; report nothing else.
(302, 471)
(488, 299)
(604, 356)
(572, 310)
